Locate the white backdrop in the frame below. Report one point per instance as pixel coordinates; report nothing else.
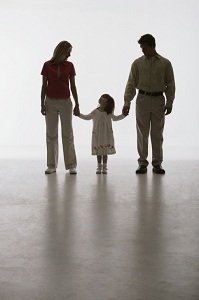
(104, 36)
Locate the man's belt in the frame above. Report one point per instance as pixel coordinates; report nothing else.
(151, 94)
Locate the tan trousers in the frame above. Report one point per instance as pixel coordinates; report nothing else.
(62, 108)
(150, 120)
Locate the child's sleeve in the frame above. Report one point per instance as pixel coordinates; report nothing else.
(117, 118)
(87, 117)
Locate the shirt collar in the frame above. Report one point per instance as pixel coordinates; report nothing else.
(157, 55)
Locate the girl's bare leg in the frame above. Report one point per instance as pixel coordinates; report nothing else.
(99, 159)
(105, 159)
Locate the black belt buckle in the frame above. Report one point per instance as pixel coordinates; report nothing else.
(144, 93)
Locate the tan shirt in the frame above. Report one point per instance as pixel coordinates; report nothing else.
(153, 74)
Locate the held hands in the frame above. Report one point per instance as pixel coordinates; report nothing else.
(167, 110)
(125, 110)
(76, 111)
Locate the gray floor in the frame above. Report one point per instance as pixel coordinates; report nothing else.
(118, 236)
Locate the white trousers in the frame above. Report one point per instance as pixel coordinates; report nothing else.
(150, 119)
(62, 108)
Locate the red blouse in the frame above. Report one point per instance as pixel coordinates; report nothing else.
(58, 86)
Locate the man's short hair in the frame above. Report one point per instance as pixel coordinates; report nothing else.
(147, 39)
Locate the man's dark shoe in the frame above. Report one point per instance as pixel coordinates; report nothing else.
(141, 169)
(158, 169)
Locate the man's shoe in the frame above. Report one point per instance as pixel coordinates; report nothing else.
(50, 170)
(73, 171)
(141, 169)
(158, 169)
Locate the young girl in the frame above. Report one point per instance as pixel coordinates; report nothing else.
(102, 135)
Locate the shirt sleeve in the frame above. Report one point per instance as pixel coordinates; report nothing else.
(44, 70)
(130, 90)
(170, 85)
(117, 118)
(72, 71)
(87, 117)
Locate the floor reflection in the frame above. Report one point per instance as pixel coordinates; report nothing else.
(119, 236)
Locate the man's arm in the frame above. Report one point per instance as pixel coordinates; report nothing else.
(170, 89)
(130, 89)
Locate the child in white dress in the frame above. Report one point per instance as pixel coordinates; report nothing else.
(102, 135)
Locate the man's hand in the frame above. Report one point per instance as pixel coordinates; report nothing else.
(43, 110)
(125, 110)
(167, 110)
(76, 111)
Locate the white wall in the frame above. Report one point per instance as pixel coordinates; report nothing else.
(104, 36)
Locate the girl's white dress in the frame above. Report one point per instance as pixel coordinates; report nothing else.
(102, 134)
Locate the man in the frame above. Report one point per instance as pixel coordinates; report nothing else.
(152, 75)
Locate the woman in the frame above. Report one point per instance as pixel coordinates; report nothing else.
(58, 80)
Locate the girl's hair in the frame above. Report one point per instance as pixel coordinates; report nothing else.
(62, 48)
(110, 105)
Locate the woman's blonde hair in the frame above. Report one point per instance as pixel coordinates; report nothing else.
(62, 48)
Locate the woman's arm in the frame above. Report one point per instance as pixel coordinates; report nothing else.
(43, 94)
(75, 96)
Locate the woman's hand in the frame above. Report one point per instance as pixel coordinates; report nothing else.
(76, 111)
(43, 110)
